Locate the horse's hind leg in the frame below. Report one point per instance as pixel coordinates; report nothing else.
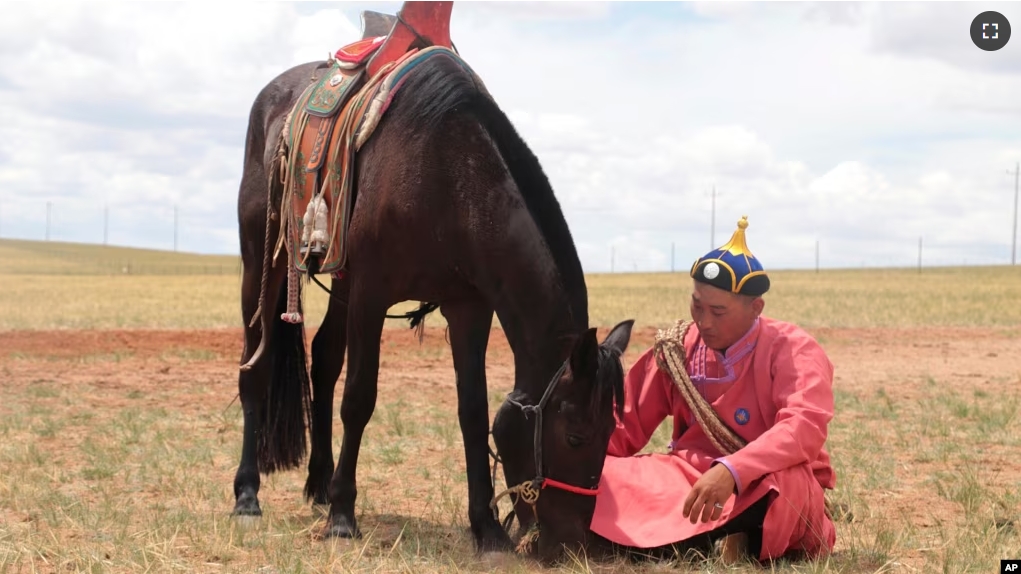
(470, 324)
(253, 386)
(366, 313)
(327, 362)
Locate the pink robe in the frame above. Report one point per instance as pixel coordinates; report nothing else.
(774, 388)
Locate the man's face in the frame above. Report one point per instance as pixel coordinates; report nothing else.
(722, 317)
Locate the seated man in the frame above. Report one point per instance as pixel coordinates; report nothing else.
(770, 383)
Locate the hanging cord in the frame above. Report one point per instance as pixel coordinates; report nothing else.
(416, 315)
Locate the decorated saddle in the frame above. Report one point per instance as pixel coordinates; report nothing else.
(332, 120)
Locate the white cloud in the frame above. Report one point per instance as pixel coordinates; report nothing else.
(535, 11)
(864, 126)
(940, 31)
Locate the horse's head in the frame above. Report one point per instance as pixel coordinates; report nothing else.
(571, 425)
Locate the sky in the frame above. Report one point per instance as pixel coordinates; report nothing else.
(859, 128)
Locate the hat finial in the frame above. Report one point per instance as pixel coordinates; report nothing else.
(737, 244)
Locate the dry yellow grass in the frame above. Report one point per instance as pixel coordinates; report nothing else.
(78, 290)
(58, 258)
(123, 462)
(115, 462)
(952, 296)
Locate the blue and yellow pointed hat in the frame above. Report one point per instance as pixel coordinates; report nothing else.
(732, 267)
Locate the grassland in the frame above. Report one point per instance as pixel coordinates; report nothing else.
(58, 286)
(118, 447)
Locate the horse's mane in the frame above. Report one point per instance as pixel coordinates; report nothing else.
(441, 86)
(609, 379)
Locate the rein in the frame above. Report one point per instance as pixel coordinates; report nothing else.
(423, 310)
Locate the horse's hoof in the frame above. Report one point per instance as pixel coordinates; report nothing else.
(497, 561)
(247, 522)
(495, 540)
(341, 527)
(247, 505)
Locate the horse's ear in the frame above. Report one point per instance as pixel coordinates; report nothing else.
(585, 354)
(619, 337)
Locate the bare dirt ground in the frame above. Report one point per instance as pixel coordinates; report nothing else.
(926, 438)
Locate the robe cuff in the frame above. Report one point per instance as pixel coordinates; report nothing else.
(737, 480)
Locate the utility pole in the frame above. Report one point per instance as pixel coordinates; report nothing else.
(671, 257)
(175, 228)
(1013, 245)
(816, 255)
(48, 206)
(712, 227)
(919, 255)
(106, 223)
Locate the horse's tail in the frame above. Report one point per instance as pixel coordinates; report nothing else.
(286, 412)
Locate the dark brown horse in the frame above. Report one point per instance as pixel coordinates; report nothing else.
(452, 208)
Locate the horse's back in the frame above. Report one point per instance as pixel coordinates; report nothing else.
(435, 199)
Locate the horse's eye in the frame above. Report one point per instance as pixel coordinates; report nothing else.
(575, 440)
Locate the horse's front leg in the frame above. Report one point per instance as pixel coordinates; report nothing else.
(366, 314)
(470, 324)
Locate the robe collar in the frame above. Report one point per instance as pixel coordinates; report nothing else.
(741, 347)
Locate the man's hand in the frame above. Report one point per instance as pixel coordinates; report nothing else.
(715, 487)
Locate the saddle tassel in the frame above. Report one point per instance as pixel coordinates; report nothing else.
(292, 315)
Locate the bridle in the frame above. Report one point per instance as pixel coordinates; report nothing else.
(529, 490)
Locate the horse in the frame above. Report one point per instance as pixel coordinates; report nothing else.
(451, 207)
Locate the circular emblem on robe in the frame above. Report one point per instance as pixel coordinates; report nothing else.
(741, 416)
(711, 271)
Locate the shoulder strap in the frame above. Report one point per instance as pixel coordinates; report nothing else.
(670, 358)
